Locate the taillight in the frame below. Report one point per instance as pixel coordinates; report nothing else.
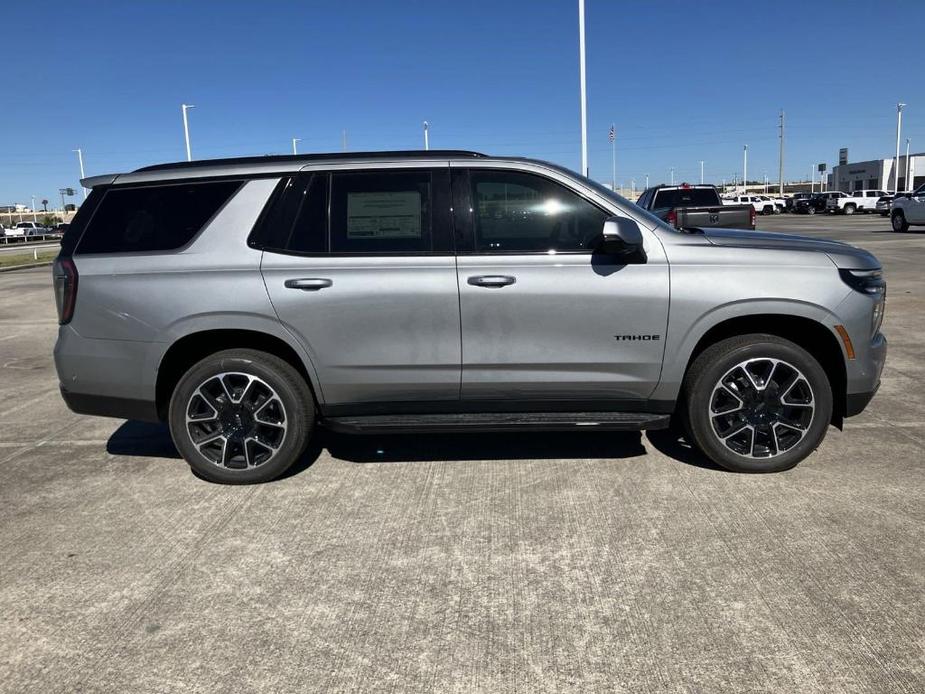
(672, 218)
(65, 281)
(752, 217)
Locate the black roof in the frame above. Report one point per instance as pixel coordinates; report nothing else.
(286, 158)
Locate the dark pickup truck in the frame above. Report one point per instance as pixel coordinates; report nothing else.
(690, 207)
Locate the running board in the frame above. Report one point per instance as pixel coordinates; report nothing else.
(498, 421)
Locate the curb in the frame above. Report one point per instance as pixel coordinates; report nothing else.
(25, 267)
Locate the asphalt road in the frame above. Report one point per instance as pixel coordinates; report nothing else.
(584, 562)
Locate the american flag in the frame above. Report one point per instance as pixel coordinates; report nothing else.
(612, 134)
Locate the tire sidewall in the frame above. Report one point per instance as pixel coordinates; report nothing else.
(700, 392)
(297, 402)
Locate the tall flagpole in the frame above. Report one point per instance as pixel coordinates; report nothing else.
(613, 157)
(584, 92)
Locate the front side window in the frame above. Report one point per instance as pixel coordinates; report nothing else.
(381, 212)
(153, 218)
(520, 212)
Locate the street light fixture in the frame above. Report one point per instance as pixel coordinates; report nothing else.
(426, 135)
(184, 108)
(295, 141)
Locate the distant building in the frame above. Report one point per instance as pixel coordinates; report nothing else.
(878, 174)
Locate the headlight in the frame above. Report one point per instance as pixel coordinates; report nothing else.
(869, 282)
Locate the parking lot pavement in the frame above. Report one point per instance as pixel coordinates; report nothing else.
(460, 563)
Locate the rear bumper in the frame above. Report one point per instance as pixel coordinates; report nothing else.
(108, 406)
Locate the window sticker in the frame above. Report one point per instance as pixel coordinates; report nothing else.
(395, 215)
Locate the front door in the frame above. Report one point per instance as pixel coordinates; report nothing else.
(370, 291)
(915, 209)
(543, 317)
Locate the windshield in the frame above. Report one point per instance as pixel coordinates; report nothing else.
(623, 202)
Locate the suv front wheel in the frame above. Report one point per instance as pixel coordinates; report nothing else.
(756, 403)
(899, 221)
(241, 416)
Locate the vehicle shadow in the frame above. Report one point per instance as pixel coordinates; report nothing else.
(144, 439)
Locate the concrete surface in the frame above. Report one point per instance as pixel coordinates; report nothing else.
(587, 562)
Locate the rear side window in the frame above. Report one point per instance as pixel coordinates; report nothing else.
(382, 212)
(79, 223)
(153, 218)
(295, 219)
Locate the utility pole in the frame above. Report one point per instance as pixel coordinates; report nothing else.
(780, 156)
(899, 128)
(184, 108)
(426, 136)
(80, 160)
(701, 172)
(583, 87)
(907, 186)
(745, 170)
(295, 141)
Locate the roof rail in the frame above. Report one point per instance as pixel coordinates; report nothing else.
(289, 158)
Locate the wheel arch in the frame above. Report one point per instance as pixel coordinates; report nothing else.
(808, 333)
(194, 346)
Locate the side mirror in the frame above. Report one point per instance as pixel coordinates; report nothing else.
(621, 236)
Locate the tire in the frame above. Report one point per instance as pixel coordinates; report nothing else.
(767, 210)
(768, 429)
(898, 221)
(850, 209)
(810, 210)
(241, 416)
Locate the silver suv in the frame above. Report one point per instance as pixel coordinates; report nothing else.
(247, 301)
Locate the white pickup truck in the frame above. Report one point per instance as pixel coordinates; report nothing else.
(761, 206)
(858, 201)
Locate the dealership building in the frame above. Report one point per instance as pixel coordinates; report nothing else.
(877, 174)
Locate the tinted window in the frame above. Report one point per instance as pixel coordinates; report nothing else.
(522, 212)
(153, 218)
(295, 218)
(381, 212)
(688, 197)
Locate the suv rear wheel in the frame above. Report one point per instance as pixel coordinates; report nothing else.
(850, 208)
(241, 416)
(756, 403)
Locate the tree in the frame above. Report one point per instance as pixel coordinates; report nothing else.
(45, 205)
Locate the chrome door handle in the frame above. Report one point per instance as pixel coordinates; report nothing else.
(309, 284)
(491, 280)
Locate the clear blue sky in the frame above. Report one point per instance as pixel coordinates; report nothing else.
(683, 81)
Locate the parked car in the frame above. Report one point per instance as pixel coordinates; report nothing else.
(885, 204)
(695, 206)
(30, 229)
(448, 291)
(816, 202)
(790, 203)
(858, 201)
(761, 206)
(908, 209)
(779, 203)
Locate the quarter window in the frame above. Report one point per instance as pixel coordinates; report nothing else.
(518, 212)
(153, 218)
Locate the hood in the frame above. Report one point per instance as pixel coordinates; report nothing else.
(843, 255)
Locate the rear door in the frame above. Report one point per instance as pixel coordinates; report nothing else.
(543, 318)
(369, 289)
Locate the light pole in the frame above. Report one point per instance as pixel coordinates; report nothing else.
(426, 135)
(80, 160)
(745, 170)
(613, 156)
(33, 209)
(907, 186)
(295, 141)
(812, 180)
(344, 139)
(184, 108)
(780, 156)
(671, 170)
(701, 172)
(765, 184)
(647, 181)
(899, 127)
(583, 87)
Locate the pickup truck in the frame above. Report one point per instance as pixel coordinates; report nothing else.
(858, 201)
(695, 207)
(908, 209)
(761, 205)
